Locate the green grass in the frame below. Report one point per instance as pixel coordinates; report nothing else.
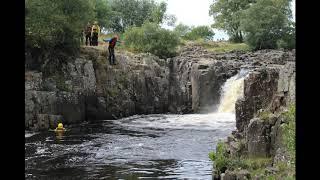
(289, 134)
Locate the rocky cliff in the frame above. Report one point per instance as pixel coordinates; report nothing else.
(262, 120)
(87, 88)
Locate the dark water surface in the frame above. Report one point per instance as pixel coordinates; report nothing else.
(138, 147)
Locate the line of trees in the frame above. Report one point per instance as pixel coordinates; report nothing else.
(260, 23)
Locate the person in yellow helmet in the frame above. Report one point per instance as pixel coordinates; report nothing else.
(60, 128)
(95, 32)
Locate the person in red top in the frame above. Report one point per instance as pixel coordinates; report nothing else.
(112, 43)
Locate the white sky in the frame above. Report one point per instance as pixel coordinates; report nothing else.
(196, 12)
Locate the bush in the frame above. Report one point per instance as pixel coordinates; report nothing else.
(204, 32)
(221, 159)
(151, 38)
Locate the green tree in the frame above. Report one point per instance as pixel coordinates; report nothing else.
(266, 23)
(126, 13)
(199, 32)
(182, 29)
(103, 13)
(227, 16)
(150, 37)
(288, 39)
(158, 13)
(53, 28)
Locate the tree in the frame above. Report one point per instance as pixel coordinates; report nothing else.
(126, 13)
(158, 13)
(266, 23)
(288, 39)
(102, 13)
(150, 37)
(199, 32)
(53, 28)
(227, 16)
(182, 29)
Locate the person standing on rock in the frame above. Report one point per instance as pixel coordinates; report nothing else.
(87, 33)
(95, 33)
(112, 43)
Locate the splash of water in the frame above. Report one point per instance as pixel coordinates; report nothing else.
(231, 91)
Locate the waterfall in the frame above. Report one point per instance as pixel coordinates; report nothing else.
(231, 91)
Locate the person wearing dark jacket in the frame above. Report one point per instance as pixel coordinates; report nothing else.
(112, 43)
(87, 33)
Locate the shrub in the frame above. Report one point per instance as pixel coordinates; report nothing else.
(221, 159)
(204, 32)
(151, 38)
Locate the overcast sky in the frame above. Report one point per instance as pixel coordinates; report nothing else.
(196, 12)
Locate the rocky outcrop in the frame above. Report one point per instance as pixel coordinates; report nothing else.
(259, 88)
(196, 78)
(87, 88)
(260, 118)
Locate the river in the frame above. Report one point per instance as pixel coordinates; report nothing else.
(157, 146)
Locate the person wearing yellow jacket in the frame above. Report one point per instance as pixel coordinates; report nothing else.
(95, 32)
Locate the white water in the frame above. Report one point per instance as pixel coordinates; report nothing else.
(231, 91)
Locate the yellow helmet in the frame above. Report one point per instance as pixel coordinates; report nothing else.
(95, 22)
(60, 126)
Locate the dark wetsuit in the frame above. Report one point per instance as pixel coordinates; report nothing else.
(88, 35)
(112, 44)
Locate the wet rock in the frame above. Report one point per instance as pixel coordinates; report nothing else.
(46, 121)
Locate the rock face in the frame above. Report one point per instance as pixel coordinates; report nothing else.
(87, 88)
(259, 88)
(268, 90)
(258, 139)
(196, 77)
